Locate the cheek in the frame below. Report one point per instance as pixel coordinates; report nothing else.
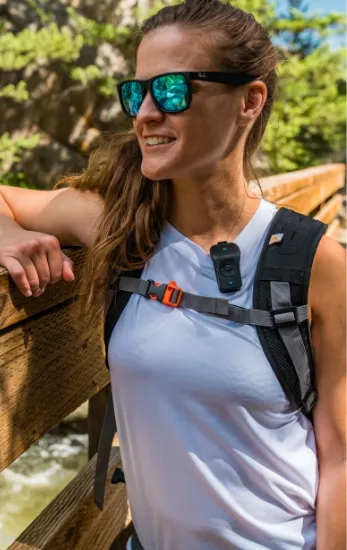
(209, 135)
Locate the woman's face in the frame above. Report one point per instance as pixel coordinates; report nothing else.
(204, 134)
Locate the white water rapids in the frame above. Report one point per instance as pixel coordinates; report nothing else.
(33, 480)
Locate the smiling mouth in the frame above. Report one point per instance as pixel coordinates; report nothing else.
(156, 141)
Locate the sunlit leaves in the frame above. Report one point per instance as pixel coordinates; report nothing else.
(12, 147)
(42, 46)
(17, 92)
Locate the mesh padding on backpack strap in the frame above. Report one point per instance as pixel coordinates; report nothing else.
(296, 230)
(277, 348)
(289, 260)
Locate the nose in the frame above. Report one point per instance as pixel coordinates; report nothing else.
(149, 111)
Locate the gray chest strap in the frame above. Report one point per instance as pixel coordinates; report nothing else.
(219, 307)
(284, 317)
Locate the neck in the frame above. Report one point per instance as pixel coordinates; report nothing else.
(213, 208)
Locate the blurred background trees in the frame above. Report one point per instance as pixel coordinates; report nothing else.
(60, 61)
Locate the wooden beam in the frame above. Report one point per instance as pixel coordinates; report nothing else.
(14, 307)
(72, 521)
(333, 229)
(307, 199)
(47, 370)
(281, 185)
(330, 210)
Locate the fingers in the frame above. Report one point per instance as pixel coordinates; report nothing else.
(34, 264)
(19, 275)
(43, 271)
(42, 262)
(68, 268)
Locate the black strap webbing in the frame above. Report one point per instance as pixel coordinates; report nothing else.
(109, 428)
(112, 312)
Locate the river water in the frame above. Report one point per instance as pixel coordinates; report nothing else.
(32, 481)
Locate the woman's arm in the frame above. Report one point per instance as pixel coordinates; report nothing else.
(68, 214)
(328, 305)
(33, 225)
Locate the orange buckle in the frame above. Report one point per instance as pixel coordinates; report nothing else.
(164, 293)
(170, 289)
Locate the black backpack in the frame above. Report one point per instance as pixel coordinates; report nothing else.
(280, 315)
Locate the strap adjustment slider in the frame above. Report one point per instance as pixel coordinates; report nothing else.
(285, 316)
(169, 295)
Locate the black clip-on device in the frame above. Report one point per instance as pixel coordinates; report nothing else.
(226, 261)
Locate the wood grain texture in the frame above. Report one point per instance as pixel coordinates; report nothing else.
(307, 199)
(47, 370)
(281, 185)
(330, 209)
(14, 307)
(72, 521)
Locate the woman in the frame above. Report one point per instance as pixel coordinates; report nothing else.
(213, 454)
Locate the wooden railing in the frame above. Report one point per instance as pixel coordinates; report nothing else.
(312, 191)
(48, 369)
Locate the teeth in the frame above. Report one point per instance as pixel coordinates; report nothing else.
(156, 140)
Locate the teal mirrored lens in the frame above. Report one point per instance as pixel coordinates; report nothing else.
(171, 92)
(131, 96)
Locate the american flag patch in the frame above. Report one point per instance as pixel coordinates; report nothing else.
(276, 238)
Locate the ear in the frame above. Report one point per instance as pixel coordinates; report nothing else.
(253, 101)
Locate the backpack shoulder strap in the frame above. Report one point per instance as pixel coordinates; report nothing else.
(115, 303)
(281, 283)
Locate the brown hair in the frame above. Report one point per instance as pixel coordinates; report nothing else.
(136, 207)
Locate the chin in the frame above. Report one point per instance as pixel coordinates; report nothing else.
(157, 173)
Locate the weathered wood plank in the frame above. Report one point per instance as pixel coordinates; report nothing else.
(330, 210)
(15, 307)
(333, 229)
(72, 521)
(281, 185)
(309, 198)
(47, 370)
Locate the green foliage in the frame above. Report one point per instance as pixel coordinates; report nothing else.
(18, 93)
(11, 150)
(301, 33)
(92, 74)
(16, 179)
(42, 46)
(308, 121)
(309, 117)
(94, 33)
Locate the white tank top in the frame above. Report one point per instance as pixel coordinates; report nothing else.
(214, 456)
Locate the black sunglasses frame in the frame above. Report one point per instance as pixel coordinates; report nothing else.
(220, 77)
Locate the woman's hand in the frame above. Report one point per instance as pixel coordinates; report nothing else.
(33, 260)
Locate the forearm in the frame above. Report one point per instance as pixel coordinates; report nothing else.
(331, 507)
(5, 210)
(69, 214)
(7, 221)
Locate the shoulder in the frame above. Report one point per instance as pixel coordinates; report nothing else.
(327, 295)
(328, 277)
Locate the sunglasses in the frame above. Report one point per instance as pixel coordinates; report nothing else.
(171, 92)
